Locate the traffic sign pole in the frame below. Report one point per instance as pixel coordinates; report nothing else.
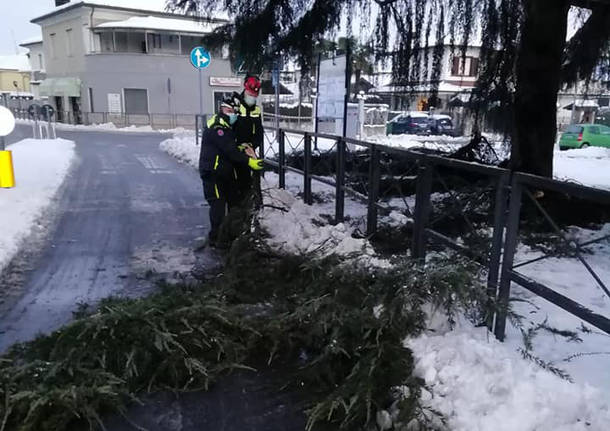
(200, 59)
(200, 92)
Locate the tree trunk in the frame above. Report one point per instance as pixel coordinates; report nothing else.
(538, 81)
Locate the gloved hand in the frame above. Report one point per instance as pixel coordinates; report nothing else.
(256, 164)
(244, 147)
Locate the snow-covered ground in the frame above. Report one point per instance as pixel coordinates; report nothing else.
(588, 166)
(480, 384)
(105, 127)
(40, 168)
(476, 382)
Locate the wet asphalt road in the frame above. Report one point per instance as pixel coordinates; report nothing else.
(126, 210)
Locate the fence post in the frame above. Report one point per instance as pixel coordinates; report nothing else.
(422, 211)
(374, 180)
(501, 202)
(510, 246)
(282, 158)
(307, 171)
(339, 191)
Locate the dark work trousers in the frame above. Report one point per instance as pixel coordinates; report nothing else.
(244, 182)
(221, 195)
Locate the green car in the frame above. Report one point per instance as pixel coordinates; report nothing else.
(585, 135)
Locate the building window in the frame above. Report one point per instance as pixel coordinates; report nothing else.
(190, 42)
(52, 46)
(69, 46)
(40, 62)
(136, 101)
(464, 66)
(163, 44)
(130, 42)
(106, 42)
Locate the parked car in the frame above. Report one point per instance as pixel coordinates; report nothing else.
(413, 123)
(441, 124)
(585, 135)
(603, 117)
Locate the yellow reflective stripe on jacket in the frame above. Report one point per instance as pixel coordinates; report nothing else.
(243, 111)
(216, 190)
(216, 121)
(216, 162)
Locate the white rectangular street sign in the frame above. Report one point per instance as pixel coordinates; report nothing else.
(225, 81)
(332, 89)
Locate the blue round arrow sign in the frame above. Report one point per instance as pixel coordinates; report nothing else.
(200, 58)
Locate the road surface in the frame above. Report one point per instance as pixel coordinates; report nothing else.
(127, 210)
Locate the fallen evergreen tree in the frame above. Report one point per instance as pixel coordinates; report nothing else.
(338, 329)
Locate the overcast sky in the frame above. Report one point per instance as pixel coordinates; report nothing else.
(15, 23)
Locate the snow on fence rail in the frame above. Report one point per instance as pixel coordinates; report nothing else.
(365, 171)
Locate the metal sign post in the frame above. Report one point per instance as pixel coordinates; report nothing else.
(200, 59)
(48, 112)
(34, 111)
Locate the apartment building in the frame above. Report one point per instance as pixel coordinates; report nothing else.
(102, 57)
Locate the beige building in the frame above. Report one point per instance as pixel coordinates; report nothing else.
(14, 74)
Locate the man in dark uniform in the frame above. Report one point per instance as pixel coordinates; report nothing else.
(249, 133)
(218, 161)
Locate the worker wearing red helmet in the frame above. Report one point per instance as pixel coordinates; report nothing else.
(248, 128)
(218, 162)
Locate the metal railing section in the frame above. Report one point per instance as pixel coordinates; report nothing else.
(365, 172)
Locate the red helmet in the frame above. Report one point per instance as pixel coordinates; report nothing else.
(252, 85)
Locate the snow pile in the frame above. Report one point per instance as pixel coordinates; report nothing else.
(293, 227)
(182, 147)
(479, 384)
(104, 127)
(296, 228)
(588, 166)
(40, 168)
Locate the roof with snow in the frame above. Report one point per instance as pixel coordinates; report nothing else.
(156, 7)
(31, 41)
(158, 23)
(15, 62)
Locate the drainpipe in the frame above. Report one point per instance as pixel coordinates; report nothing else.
(91, 38)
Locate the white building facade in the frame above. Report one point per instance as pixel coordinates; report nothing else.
(104, 63)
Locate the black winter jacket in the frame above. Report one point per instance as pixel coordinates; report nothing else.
(219, 153)
(249, 125)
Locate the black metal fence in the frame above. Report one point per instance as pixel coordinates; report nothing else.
(368, 173)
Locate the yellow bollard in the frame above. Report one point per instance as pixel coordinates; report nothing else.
(7, 176)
